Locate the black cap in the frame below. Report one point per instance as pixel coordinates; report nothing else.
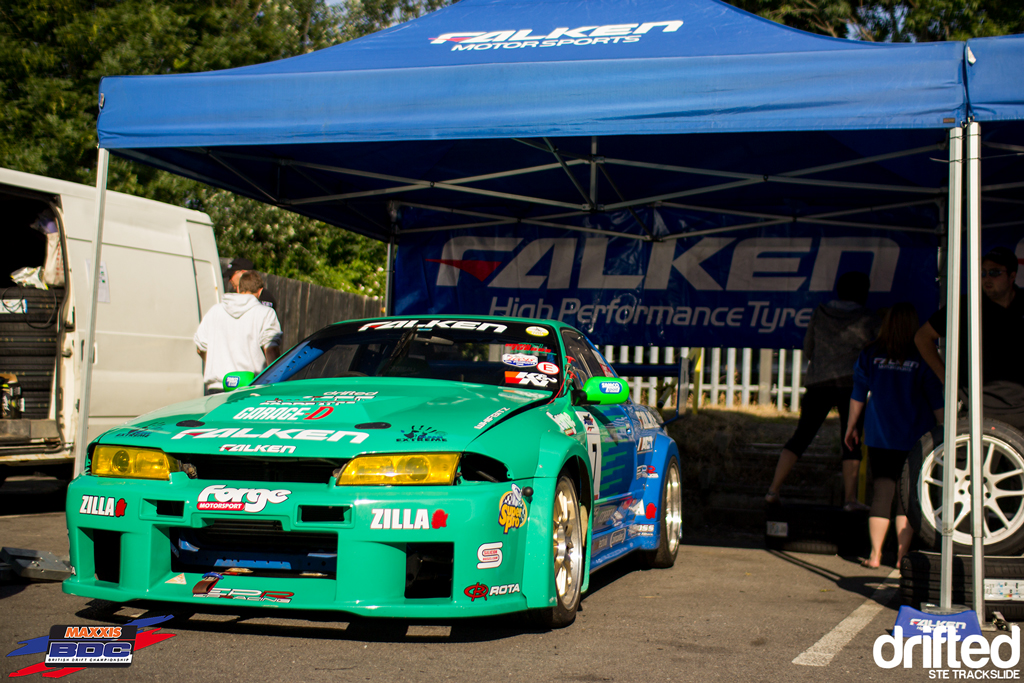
(1004, 257)
(235, 265)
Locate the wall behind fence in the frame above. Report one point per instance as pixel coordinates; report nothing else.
(304, 308)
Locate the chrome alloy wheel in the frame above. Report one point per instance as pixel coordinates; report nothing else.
(1002, 490)
(673, 509)
(567, 541)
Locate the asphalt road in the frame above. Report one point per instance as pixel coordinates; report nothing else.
(726, 612)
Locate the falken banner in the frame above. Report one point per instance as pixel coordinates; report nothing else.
(747, 288)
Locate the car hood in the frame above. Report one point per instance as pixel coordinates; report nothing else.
(330, 418)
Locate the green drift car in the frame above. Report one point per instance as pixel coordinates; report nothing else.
(399, 467)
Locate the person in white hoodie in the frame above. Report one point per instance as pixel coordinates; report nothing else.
(238, 334)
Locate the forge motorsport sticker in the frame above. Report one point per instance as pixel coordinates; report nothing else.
(228, 499)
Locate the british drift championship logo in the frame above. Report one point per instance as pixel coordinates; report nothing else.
(72, 648)
(611, 34)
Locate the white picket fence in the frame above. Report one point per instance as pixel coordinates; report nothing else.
(732, 379)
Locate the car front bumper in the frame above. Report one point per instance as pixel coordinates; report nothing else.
(403, 551)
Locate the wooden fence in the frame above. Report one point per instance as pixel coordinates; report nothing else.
(304, 308)
(779, 379)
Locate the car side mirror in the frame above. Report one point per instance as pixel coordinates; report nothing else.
(606, 391)
(237, 380)
(579, 398)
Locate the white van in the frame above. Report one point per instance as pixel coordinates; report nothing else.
(161, 274)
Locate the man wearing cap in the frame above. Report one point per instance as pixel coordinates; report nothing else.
(1002, 333)
(235, 268)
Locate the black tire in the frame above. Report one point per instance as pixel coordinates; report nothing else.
(921, 494)
(670, 520)
(568, 558)
(920, 581)
(804, 546)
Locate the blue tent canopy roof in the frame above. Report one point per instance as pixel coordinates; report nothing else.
(995, 79)
(511, 68)
(499, 110)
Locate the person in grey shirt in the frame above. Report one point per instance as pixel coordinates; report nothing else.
(839, 330)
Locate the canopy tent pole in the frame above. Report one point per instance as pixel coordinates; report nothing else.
(388, 308)
(955, 237)
(88, 344)
(974, 414)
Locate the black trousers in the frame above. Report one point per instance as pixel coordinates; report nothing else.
(814, 408)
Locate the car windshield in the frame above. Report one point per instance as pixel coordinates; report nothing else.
(500, 353)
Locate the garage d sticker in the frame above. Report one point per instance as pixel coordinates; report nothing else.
(512, 511)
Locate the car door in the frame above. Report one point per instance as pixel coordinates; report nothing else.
(610, 437)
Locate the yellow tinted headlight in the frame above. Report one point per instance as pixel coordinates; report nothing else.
(422, 469)
(132, 463)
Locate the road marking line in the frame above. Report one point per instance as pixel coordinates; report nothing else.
(822, 652)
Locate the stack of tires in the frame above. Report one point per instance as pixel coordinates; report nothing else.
(919, 582)
(1002, 453)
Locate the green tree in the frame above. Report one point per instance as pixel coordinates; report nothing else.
(894, 20)
(54, 53)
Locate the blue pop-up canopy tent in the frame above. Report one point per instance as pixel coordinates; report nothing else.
(523, 110)
(587, 116)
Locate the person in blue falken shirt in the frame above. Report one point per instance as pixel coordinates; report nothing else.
(905, 401)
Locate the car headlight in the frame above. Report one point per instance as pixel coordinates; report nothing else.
(132, 463)
(400, 469)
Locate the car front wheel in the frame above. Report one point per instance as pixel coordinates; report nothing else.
(567, 558)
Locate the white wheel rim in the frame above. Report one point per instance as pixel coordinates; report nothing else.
(673, 509)
(567, 543)
(1002, 490)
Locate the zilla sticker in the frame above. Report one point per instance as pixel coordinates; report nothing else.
(406, 518)
(102, 506)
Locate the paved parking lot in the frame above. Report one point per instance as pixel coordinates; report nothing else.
(728, 611)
